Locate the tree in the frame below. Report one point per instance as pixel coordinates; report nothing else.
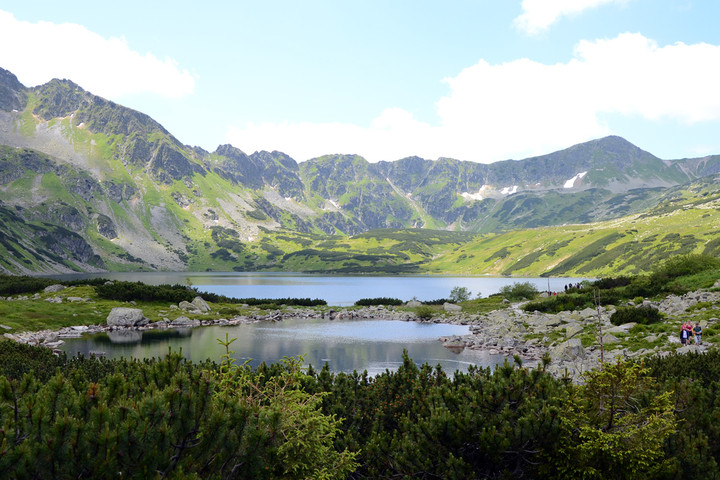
(519, 291)
(459, 294)
(295, 435)
(616, 425)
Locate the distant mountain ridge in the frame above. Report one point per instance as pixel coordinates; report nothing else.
(140, 198)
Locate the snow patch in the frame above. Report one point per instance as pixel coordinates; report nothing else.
(509, 190)
(476, 196)
(334, 204)
(571, 183)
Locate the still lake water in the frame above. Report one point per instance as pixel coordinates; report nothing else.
(335, 290)
(372, 345)
(345, 345)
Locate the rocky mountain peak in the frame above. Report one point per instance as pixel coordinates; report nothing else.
(231, 152)
(13, 94)
(275, 156)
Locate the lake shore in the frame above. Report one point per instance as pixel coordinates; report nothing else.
(571, 340)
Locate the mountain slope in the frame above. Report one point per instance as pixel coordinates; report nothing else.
(139, 198)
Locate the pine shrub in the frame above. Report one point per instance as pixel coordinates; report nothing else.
(642, 315)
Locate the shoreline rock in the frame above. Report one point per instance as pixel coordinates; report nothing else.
(511, 332)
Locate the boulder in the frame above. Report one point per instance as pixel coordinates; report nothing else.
(126, 317)
(544, 321)
(185, 322)
(188, 307)
(609, 339)
(54, 288)
(624, 328)
(413, 304)
(572, 329)
(451, 307)
(569, 350)
(454, 344)
(201, 304)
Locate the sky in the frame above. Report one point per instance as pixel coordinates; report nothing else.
(477, 80)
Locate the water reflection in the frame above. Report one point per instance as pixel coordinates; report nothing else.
(373, 345)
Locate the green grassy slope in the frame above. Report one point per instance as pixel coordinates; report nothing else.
(687, 220)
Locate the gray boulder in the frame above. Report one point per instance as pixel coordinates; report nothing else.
(451, 307)
(544, 321)
(185, 322)
(624, 328)
(569, 350)
(609, 339)
(126, 317)
(188, 307)
(54, 288)
(413, 303)
(572, 329)
(201, 304)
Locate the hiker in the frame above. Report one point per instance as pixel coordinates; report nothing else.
(684, 334)
(697, 331)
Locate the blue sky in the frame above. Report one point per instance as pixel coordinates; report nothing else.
(479, 80)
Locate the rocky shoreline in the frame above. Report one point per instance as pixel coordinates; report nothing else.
(511, 332)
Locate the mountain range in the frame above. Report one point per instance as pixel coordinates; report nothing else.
(87, 185)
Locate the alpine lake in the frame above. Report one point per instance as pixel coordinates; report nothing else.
(344, 345)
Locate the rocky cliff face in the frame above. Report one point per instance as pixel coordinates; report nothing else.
(13, 95)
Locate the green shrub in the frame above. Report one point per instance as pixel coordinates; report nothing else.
(366, 302)
(425, 312)
(138, 291)
(459, 294)
(682, 265)
(296, 302)
(12, 285)
(17, 359)
(643, 315)
(437, 301)
(519, 291)
(128, 291)
(611, 282)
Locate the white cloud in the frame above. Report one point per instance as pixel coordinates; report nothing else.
(523, 108)
(392, 135)
(38, 52)
(539, 15)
